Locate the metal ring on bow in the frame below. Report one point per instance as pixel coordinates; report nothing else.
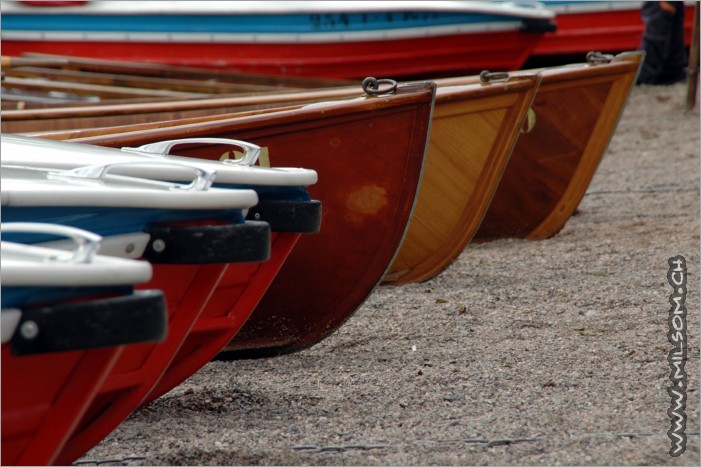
(371, 86)
(598, 57)
(487, 76)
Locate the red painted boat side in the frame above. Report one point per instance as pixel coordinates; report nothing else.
(368, 154)
(213, 301)
(225, 313)
(456, 54)
(138, 368)
(47, 398)
(604, 31)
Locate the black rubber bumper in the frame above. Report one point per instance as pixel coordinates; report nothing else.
(288, 216)
(538, 25)
(129, 319)
(209, 244)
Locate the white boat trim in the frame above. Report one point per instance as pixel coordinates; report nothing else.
(262, 38)
(65, 155)
(131, 7)
(31, 265)
(130, 245)
(592, 6)
(24, 186)
(9, 319)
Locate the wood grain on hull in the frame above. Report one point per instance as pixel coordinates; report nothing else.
(369, 156)
(577, 109)
(473, 131)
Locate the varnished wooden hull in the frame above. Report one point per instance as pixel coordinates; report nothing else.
(369, 155)
(576, 112)
(576, 109)
(473, 131)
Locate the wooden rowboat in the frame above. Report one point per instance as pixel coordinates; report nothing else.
(568, 87)
(369, 154)
(530, 203)
(54, 360)
(66, 121)
(474, 129)
(473, 132)
(577, 109)
(350, 39)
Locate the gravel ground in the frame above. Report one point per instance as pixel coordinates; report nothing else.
(542, 353)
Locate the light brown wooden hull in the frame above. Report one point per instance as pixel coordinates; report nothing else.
(473, 132)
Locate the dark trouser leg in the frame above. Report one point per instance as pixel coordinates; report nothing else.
(656, 42)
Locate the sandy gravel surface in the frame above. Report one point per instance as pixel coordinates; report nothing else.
(540, 353)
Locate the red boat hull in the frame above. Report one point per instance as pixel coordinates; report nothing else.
(225, 313)
(138, 368)
(48, 395)
(456, 54)
(604, 31)
(194, 337)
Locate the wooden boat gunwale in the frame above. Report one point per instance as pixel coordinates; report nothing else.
(154, 70)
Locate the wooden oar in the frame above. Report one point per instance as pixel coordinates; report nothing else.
(165, 71)
(212, 86)
(13, 62)
(48, 86)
